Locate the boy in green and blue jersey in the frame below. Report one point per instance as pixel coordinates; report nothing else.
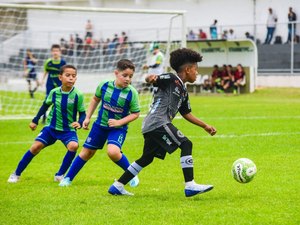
(119, 106)
(61, 124)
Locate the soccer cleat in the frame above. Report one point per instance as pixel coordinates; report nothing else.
(13, 178)
(134, 182)
(58, 178)
(116, 189)
(195, 189)
(65, 182)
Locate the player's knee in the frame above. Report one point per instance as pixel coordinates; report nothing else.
(72, 146)
(186, 148)
(86, 154)
(36, 147)
(114, 153)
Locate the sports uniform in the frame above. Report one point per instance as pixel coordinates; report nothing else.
(52, 67)
(116, 104)
(30, 72)
(66, 106)
(160, 134)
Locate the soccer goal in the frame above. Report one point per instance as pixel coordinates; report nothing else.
(92, 39)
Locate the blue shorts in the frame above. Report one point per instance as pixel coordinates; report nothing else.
(98, 136)
(48, 136)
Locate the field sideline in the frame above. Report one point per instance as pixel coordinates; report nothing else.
(264, 126)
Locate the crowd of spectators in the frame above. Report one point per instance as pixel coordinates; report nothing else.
(225, 79)
(215, 31)
(82, 46)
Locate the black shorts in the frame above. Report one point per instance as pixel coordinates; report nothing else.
(166, 138)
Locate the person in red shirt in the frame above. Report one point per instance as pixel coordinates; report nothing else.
(202, 35)
(228, 79)
(239, 76)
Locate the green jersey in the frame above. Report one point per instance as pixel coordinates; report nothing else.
(66, 106)
(116, 103)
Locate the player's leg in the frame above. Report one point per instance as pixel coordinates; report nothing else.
(96, 140)
(133, 170)
(45, 138)
(115, 141)
(70, 140)
(186, 161)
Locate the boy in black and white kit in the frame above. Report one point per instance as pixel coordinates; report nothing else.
(160, 135)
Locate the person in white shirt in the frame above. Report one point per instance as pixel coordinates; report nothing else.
(231, 35)
(271, 25)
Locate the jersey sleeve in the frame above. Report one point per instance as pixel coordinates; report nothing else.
(163, 81)
(48, 100)
(134, 103)
(185, 107)
(46, 65)
(98, 93)
(80, 107)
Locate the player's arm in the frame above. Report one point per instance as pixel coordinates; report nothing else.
(161, 81)
(192, 119)
(32, 58)
(25, 67)
(127, 119)
(91, 109)
(42, 111)
(81, 112)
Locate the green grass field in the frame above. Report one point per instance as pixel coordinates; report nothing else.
(264, 126)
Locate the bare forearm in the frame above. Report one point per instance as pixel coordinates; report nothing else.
(129, 118)
(93, 105)
(192, 119)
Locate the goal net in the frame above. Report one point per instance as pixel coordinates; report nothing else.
(92, 39)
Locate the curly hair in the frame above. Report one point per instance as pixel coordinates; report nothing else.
(183, 56)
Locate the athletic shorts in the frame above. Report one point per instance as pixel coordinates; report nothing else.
(166, 138)
(49, 136)
(99, 135)
(31, 77)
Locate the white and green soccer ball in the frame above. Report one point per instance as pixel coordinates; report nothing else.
(243, 170)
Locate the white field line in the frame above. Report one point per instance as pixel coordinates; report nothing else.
(179, 117)
(221, 136)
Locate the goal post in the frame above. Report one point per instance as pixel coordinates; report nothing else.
(37, 27)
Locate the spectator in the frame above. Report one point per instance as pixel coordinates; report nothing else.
(291, 26)
(79, 44)
(213, 30)
(64, 46)
(248, 36)
(239, 78)
(191, 35)
(231, 35)
(122, 42)
(88, 45)
(115, 39)
(71, 45)
(271, 25)
(105, 46)
(225, 34)
(202, 35)
(215, 78)
(89, 29)
(227, 80)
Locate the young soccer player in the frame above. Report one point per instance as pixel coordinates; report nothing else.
(119, 106)
(30, 72)
(52, 67)
(61, 124)
(160, 135)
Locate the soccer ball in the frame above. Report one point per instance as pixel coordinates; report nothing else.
(243, 170)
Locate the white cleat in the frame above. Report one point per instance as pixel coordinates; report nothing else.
(58, 178)
(118, 189)
(13, 178)
(66, 182)
(194, 189)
